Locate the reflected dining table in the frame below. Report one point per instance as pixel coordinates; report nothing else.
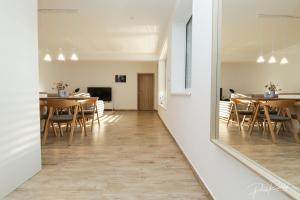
(261, 102)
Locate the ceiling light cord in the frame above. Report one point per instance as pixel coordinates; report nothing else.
(284, 60)
(260, 59)
(272, 59)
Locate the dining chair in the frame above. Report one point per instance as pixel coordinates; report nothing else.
(44, 116)
(66, 118)
(89, 110)
(283, 116)
(240, 108)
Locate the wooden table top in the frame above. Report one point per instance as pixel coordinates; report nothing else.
(265, 99)
(67, 98)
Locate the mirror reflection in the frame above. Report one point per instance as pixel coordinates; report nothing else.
(259, 110)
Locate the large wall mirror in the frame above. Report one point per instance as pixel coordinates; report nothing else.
(259, 84)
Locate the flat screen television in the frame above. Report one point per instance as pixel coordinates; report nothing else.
(103, 93)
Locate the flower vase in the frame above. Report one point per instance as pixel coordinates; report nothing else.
(272, 94)
(61, 93)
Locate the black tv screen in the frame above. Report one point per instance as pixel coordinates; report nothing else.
(103, 93)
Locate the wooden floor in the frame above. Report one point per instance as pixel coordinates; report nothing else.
(282, 158)
(130, 157)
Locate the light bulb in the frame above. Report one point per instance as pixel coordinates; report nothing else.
(260, 59)
(47, 58)
(61, 57)
(74, 57)
(284, 61)
(272, 60)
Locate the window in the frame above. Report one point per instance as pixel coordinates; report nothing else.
(180, 44)
(162, 82)
(188, 56)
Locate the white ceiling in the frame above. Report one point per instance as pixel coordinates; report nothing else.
(105, 29)
(241, 33)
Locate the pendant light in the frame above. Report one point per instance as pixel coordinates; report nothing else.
(47, 57)
(284, 61)
(74, 57)
(261, 58)
(272, 59)
(61, 56)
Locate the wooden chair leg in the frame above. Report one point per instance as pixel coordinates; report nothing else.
(230, 114)
(237, 116)
(79, 122)
(254, 120)
(244, 117)
(44, 125)
(278, 128)
(295, 132)
(67, 128)
(84, 126)
(98, 119)
(71, 134)
(47, 126)
(73, 126)
(274, 139)
(92, 123)
(60, 130)
(46, 131)
(54, 129)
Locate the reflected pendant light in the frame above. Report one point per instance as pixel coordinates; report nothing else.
(61, 56)
(261, 58)
(272, 59)
(74, 57)
(284, 61)
(47, 58)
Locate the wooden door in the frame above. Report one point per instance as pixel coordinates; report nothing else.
(146, 91)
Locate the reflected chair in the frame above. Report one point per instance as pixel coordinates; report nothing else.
(236, 111)
(283, 116)
(53, 106)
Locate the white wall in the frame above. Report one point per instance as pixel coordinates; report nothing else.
(83, 74)
(20, 154)
(250, 78)
(188, 119)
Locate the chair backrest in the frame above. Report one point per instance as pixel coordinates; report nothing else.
(57, 104)
(280, 103)
(241, 101)
(89, 102)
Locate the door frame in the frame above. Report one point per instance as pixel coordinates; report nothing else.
(138, 89)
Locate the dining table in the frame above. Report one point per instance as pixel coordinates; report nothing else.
(259, 102)
(86, 105)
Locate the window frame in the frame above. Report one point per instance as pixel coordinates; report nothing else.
(188, 68)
